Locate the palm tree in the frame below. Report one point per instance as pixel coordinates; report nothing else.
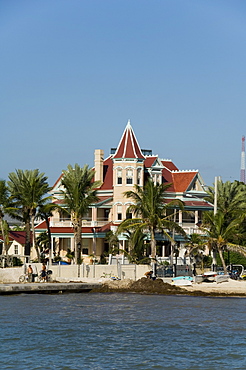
(150, 210)
(79, 193)
(220, 233)
(112, 239)
(45, 211)
(231, 202)
(195, 246)
(28, 191)
(4, 204)
(136, 239)
(195, 242)
(43, 242)
(231, 198)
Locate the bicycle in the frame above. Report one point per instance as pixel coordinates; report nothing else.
(104, 275)
(47, 278)
(23, 278)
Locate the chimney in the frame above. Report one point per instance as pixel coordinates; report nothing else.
(99, 158)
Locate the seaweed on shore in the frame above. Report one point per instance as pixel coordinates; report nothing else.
(148, 286)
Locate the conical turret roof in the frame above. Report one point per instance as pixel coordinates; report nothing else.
(128, 146)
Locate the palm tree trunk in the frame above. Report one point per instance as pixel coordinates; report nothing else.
(222, 260)
(3, 235)
(77, 224)
(153, 244)
(34, 243)
(46, 218)
(28, 238)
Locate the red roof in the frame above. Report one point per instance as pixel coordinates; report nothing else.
(182, 180)
(128, 146)
(197, 203)
(19, 236)
(69, 230)
(102, 199)
(149, 161)
(170, 165)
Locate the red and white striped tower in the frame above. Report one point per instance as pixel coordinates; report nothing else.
(242, 172)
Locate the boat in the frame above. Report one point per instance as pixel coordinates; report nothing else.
(209, 276)
(182, 280)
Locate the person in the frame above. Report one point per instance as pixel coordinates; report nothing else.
(43, 272)
(30, 274)
(148, 274)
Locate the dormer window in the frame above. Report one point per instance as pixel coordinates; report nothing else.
(129, 176)
(119, 177)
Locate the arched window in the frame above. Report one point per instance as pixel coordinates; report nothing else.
(129, 176)
(119, 212)
(119, 176)
(139, 172)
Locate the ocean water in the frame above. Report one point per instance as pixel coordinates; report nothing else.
(121, 331)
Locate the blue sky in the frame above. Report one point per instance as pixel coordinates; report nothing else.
(73, 72)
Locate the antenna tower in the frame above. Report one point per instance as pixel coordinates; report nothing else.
(242, 172)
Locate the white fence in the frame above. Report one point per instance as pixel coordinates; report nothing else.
(82, 272)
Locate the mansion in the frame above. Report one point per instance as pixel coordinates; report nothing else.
(126, 165)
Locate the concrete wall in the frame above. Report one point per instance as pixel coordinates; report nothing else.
(78, 272)
(10, 274)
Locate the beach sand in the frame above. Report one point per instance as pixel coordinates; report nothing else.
(231, 287)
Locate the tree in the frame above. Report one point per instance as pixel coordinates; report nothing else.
(112, 239)
(79, 193)
(28, 191)
(231, 202)
(43, 244)
(150, 210)
(195, 247)
(219, 233)
(195, 244)
(45, 211)
(137, 245)
(4, 208)
(231, 199)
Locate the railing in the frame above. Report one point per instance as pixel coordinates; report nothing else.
(193, 230)
(61, 222)
(87, 222)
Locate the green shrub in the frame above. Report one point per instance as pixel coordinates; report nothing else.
(17, 261)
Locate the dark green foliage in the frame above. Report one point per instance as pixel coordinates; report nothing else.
(17, 261)
(232, 257)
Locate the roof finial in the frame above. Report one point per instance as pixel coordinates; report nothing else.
(128, 124)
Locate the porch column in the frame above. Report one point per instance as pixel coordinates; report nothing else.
(196, 217)
(94, 242)
(163, 250)
(94, 216)
(180, 217)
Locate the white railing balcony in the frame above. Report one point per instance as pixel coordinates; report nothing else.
(63, 222)
(86, 222)
(193, 230)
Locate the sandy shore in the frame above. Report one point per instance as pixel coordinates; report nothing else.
(232, 287)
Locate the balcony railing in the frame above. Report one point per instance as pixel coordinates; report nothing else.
(193, 230)
(86, 222)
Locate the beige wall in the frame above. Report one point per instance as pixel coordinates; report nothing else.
(119, 189)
